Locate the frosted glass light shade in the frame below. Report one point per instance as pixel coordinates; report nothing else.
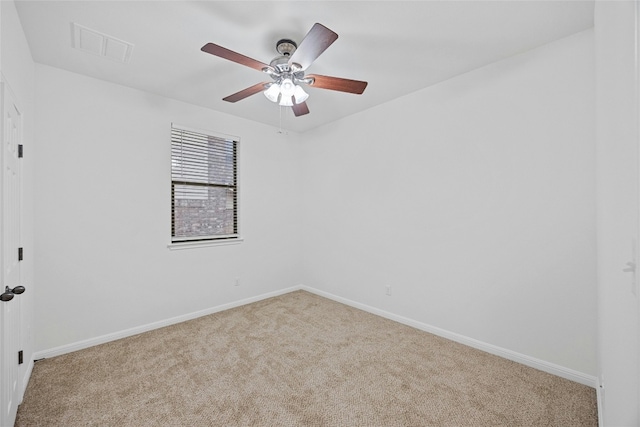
(272, 93)
(287, 88)
(300, 95)
(284, 92)
(286, 101)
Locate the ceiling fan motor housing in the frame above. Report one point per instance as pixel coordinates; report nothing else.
(280, 64)
(285, 47)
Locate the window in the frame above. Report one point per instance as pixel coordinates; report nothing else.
(204, 187)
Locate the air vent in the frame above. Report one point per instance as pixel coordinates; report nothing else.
(96, 43)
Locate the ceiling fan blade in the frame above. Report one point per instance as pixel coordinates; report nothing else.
(300, 109)
(337, 83)
(238, 96)
(225, 53)
(317, 40)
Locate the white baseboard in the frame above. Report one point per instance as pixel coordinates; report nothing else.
(25, 379)
(600, 402)
(79, 345)
(533, 362)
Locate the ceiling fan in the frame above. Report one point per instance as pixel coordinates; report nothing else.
(287, 70)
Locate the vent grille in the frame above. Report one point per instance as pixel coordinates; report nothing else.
(96, 43)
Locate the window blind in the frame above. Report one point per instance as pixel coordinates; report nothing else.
(204, 193)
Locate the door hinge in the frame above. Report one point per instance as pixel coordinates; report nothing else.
(20, 151)
(20, 358)
(20, 254)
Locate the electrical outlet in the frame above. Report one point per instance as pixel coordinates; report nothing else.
(388, 290)
(237, 282)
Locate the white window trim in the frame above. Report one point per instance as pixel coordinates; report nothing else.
(173, 246)
(203, 244)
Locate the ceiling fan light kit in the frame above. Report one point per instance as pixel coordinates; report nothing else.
(288, 71)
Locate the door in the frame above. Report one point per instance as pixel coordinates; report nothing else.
(10, 306)
(618, 186)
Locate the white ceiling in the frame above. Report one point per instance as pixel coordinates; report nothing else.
(397, 46)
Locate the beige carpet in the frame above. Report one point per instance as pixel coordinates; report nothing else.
(296, 360)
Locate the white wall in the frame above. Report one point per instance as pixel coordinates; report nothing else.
(103, 212)
(474, 199)
(17, 70)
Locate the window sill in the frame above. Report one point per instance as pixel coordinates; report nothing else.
(192, 245)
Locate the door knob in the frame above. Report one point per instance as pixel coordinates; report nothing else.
(18, 290)
(631, 267)
(7, 295)
(10, 293)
